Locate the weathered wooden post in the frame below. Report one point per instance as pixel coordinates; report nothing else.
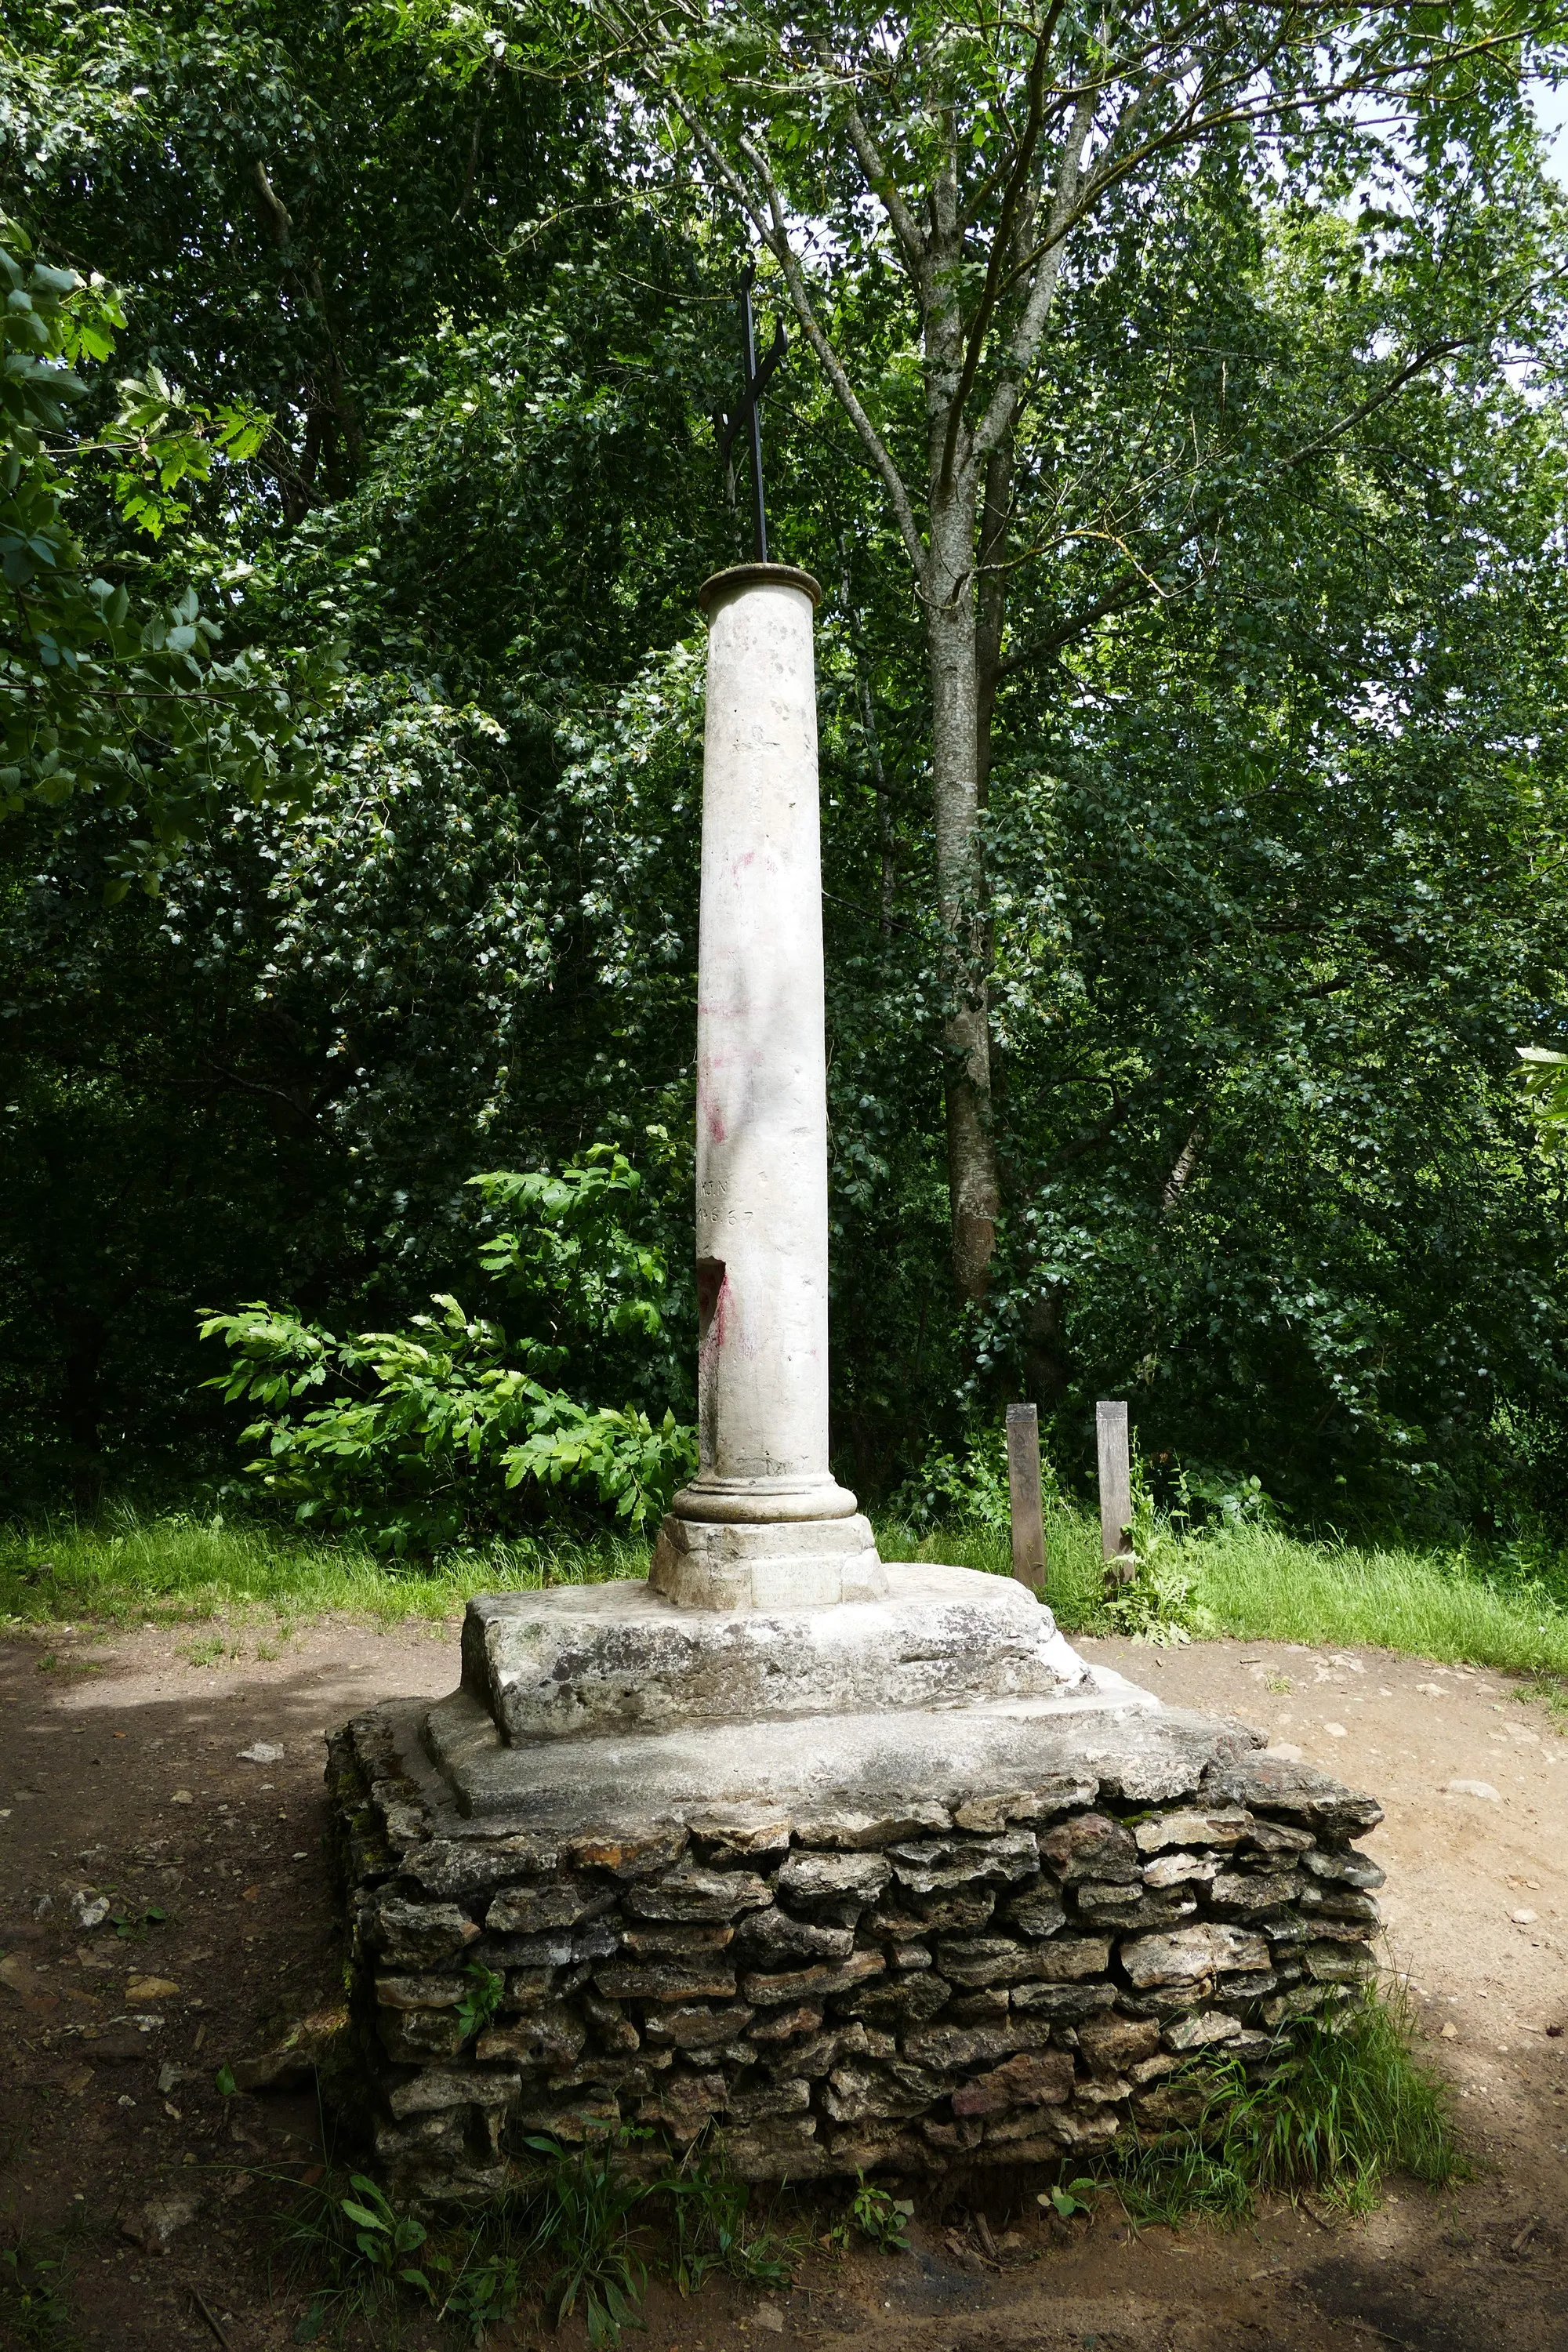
(1024, 1490)
(1115, 1488)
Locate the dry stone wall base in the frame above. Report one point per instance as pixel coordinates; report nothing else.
(1006, 1976)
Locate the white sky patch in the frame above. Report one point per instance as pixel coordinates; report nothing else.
(1551, 114)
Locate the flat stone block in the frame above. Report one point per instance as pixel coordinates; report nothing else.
(785, 1563)
(823, 1771)
(588, 1660)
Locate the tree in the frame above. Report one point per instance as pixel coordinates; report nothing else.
(985, 161)
(1271, 848)
(96, 696)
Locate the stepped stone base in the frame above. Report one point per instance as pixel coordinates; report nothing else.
(980, 1935)
(588, 1659)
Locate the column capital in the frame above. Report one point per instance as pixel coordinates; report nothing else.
(756, 575)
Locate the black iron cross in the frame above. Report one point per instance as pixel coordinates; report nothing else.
(755, 380)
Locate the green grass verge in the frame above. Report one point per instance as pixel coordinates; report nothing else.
(1261, 1584)
(1253, 1582)
(176, 1568)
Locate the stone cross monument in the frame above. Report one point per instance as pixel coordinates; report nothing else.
(854, 1863)
(765, 1595)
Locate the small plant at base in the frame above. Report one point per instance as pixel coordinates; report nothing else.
(32, 2298)
(126, 1925)
(383, 2235)
(877, 2215)
(711, 2232)
(482, 1999)
(581, 2209)
(1346, 2104)
(1074, 2199)
(362, 2245)
(478, 2288)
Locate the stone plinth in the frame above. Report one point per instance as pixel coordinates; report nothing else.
(595, 1658)
(972, 1936)
(852, 1863)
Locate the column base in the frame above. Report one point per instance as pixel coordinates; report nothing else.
(783, 1564)
(760, 1502)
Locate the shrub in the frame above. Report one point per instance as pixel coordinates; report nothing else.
(423, 1435)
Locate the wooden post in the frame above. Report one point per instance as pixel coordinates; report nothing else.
(1115, 1484)
(1023, 1487)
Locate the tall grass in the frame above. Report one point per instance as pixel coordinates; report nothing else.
(1256, 1582)
(1261, 1584)
(1453, 1604)
(1074, 1570)
(1348, 2106)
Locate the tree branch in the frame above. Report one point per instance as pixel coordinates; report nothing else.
(772, 229)
(1004, 404)
(1001, 239)
(1134, 592)
(880, 181)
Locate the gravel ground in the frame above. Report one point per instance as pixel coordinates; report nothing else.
(122, 1770)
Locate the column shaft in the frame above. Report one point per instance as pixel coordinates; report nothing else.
(762, 1109)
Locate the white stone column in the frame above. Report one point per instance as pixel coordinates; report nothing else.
(764, 1523)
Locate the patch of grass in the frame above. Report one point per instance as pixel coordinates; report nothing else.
(358, 2256)
(1264, 1585)
(578, 2237)
(1074, 1575)
(583, 2230)
(178, 1568)
(1261, 1584)
(1554, 1689)
(210, 1651)
(714, 2229)
(323, 2242)
(1348, 2106)
(35, 2315)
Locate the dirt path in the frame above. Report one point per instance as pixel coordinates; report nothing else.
(121, 1769)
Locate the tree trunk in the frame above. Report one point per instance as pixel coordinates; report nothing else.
(991, 606)
(974, 1194)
